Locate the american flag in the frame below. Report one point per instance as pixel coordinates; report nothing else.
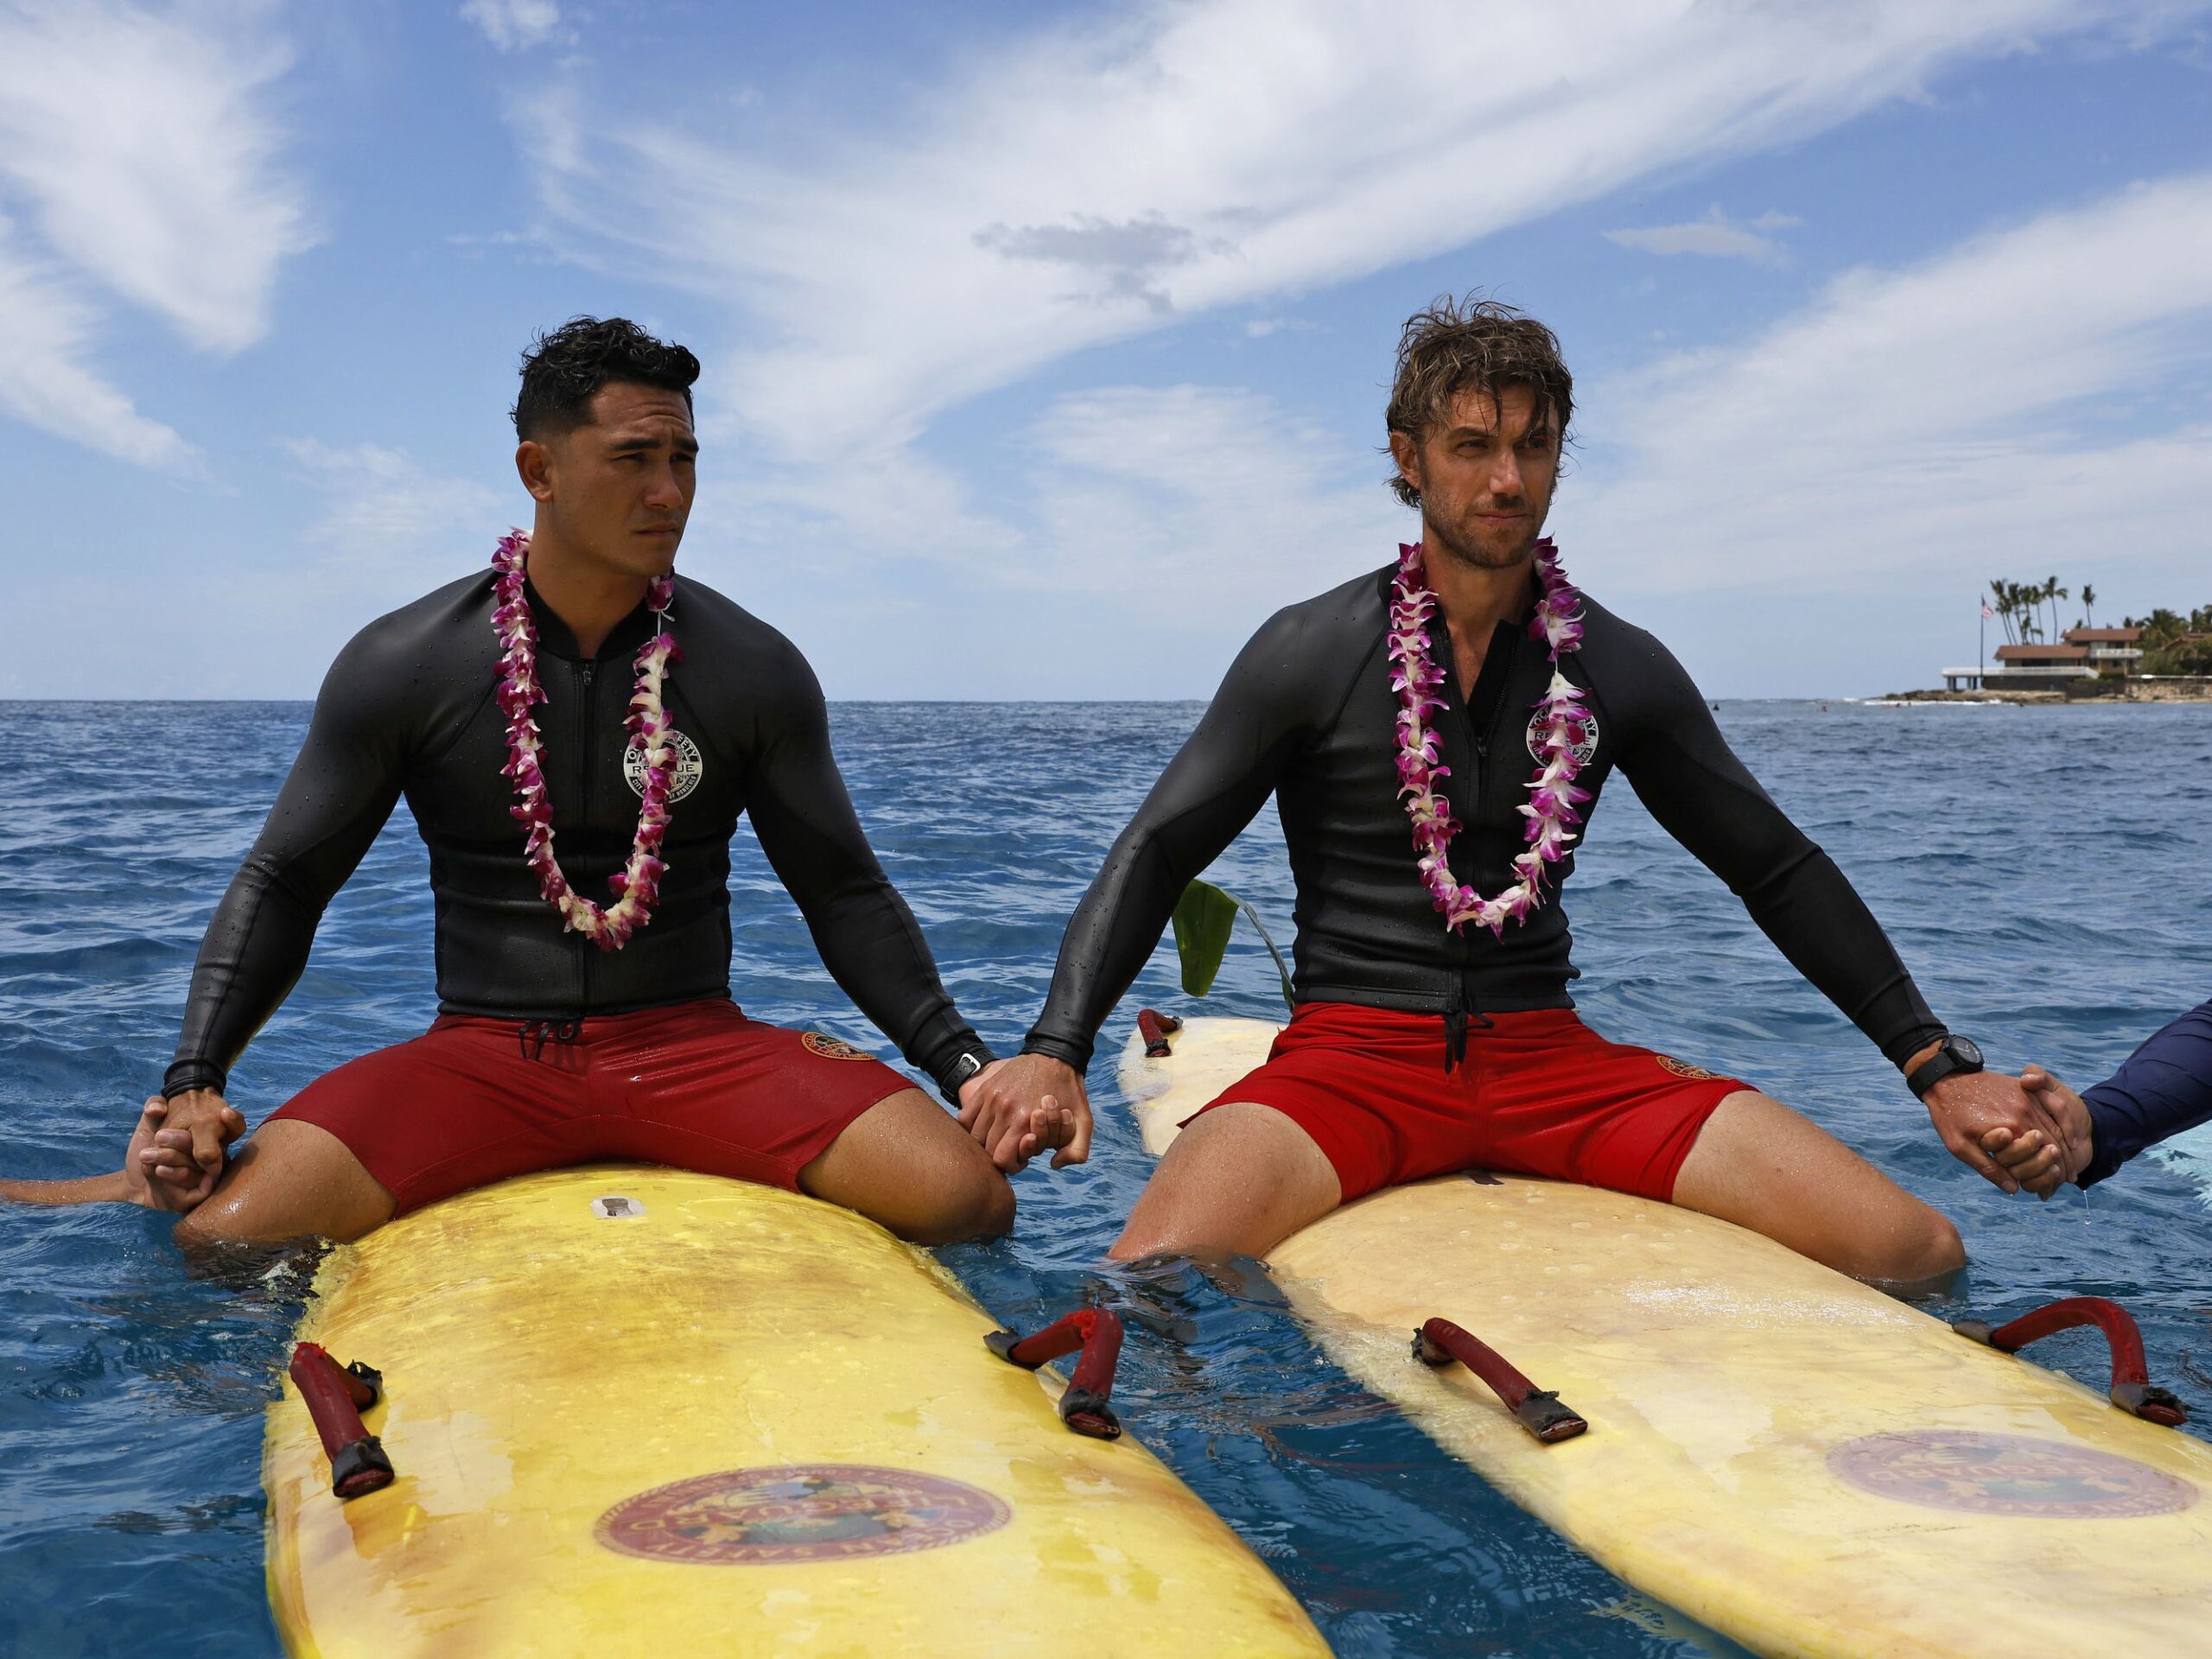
(1985, 612)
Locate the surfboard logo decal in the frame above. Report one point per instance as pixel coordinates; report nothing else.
(829, 1048)
(799, 1512)
(2007, 1474)
(691, 767)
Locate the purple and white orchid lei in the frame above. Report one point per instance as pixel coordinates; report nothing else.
(637, 886)
(1560, 719)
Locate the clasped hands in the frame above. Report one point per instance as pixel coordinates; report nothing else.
(1032, 1103)
(178, 1148)
(2028, 1132)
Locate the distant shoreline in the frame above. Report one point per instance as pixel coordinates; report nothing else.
(2092, 694)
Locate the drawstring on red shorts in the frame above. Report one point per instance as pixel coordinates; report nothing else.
(530, 1036)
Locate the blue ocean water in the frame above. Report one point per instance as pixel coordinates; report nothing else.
(2046, 871)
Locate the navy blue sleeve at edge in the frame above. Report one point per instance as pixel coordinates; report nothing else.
(2163, 1088)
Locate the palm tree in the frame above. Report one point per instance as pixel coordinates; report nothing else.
(2053, 593)
(2089, 604)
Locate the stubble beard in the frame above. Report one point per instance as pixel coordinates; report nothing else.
(1470, 552)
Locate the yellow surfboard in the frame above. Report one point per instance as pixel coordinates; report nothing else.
(1788, 1456)
(638, 1411)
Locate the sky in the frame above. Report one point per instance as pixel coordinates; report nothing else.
(1045, 345)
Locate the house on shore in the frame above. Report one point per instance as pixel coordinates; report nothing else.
(2081, 654)
(2110, 650)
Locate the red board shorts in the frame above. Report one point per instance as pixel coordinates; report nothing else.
(696, 1085)
(1538, 1093)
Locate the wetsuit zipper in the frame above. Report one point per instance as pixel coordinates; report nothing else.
(584, 947)
(1466, 1006)
(1496, 708)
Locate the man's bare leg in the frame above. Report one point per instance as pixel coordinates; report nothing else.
(904, 1162)
(1244, 1177)
(1238, 1181)
(289, 1180)
(907, 1164)
(1763, 1166)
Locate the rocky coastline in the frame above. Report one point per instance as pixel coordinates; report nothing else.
(2172, 688)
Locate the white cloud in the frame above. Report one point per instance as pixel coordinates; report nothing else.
(1716, 236)
(392, 524)
(141, 148)
(2007, 404)
(514, 25)
(146, 151)
(1204, 492)
(1093, 181)
(45, 333)
(2029, 402)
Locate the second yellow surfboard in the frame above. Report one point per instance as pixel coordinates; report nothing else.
(1786, 1455)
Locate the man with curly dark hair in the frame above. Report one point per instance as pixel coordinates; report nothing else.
(502, 707)
(1434, 733)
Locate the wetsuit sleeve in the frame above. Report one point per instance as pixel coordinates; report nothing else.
(341, 789)
(1217, 781)
(868, 939)
(2163, 1088)
(1701, 794)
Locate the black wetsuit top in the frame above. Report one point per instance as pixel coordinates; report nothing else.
(1307, 712)
(2163, 1088)
(408, 708)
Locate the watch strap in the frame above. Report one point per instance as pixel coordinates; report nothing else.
(1945, 1062)
(962, 1067)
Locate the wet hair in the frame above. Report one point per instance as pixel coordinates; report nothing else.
(563, 371)
(1474, 344)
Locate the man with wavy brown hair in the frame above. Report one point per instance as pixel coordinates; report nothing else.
(1435, 733)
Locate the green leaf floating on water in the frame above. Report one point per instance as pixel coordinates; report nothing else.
(1204, 917)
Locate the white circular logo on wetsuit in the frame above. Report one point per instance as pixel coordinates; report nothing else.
(690, 768)
(1582, 733)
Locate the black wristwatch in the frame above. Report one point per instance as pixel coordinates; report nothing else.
(1957, 1054)
(959, 1072)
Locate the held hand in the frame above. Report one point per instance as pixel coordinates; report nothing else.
(2069, 1111)
(181, 1145)
(162, 1178)
(1992, 1124)
(1031, 1104)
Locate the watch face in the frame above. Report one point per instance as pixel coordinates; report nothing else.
(1964, 1048)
